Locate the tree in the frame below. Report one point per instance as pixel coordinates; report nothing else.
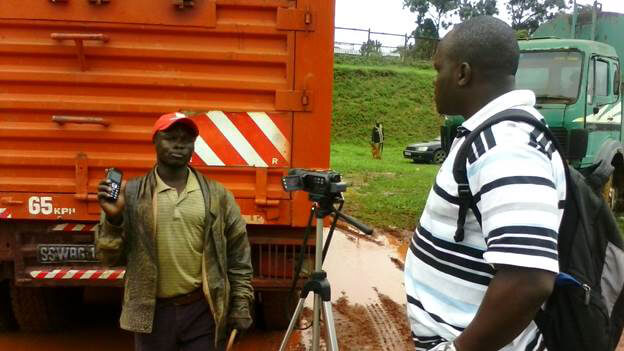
(467, 9)
(370, 47)
(437, 11)
(529, 14)
(426, 39)
(426, 30)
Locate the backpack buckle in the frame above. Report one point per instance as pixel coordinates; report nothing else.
(463, 190)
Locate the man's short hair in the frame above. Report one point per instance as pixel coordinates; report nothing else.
(486, 43)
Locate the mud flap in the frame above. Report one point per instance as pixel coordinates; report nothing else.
(38, 309)
(7, 320)
(275, 309)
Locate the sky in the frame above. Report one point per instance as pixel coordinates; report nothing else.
(389, 16)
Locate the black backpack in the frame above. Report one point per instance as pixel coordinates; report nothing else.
(586, 309)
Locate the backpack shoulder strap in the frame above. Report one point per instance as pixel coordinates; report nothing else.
(459, 164)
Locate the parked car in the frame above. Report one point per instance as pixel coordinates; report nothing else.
(429, 151)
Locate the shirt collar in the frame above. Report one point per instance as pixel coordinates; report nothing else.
(191, 183)
(506, 101)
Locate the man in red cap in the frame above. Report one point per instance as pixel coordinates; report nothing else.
(184, 243)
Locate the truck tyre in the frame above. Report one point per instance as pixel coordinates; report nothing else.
(43, 309)
(7, 320)
(276, 309)
(612, 192)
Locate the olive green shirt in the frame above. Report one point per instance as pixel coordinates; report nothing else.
(226, 260)
(180, 221)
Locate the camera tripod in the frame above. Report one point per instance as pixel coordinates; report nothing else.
(318, 283)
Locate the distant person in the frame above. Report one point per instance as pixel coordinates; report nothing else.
(184, 243)
(482, 292)
(377, 139)
(382, 139)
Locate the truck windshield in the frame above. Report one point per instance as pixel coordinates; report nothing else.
(554, 76)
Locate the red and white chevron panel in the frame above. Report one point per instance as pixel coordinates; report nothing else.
(5, 213)
(256, 139)
(79, 274)
(73, 228)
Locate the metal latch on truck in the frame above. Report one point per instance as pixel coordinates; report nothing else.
(79, 39)
(295, 19)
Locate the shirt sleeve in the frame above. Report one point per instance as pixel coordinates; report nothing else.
(109, 242)
(514, 189)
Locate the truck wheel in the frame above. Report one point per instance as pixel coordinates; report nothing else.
(7, 320)
(612, 193)
(43, 309)
(276, 309)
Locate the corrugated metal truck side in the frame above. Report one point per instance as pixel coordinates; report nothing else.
(81, 83)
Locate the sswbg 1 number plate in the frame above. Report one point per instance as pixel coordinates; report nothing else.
(59, 253)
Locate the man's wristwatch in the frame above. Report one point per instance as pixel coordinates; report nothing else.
(445, 346)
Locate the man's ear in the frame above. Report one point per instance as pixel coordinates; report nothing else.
(464, 74)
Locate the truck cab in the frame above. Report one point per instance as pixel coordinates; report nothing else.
(576, 84)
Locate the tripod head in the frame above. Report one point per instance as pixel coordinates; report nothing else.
(325, 189)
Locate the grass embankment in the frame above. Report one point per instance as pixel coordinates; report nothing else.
(401, 97)
(388, 193)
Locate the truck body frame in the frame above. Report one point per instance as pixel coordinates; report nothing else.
(82, 82)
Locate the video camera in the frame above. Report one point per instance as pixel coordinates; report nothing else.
(319, 184)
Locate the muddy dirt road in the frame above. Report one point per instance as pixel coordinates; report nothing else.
(367, 294)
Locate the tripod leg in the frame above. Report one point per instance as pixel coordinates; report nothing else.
(316, 335)
(291, 326)
(329, 324)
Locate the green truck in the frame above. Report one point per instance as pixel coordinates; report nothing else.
(572, 63)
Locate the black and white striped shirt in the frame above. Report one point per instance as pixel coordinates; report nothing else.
(517, 180)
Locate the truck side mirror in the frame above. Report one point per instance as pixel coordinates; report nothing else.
(617, 84)
(577, 144)
(591, 81)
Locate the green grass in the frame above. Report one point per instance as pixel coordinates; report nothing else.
(380, 61)
(388, 193)
(400, 96)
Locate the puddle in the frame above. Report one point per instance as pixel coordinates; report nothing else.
(368, 306)
(363, 267)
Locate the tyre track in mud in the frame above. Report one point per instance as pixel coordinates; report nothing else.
(386, 331)
(378, 326)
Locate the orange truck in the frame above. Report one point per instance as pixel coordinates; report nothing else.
(82, 82)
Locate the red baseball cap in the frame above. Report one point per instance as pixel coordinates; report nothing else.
(167, 120)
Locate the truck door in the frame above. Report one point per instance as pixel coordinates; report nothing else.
(602, 110)
(81, 83)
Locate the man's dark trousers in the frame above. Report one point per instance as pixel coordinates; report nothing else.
(189, 327)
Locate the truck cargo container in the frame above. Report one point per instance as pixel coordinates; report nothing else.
(82, 82)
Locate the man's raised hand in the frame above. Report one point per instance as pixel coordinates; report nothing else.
(113, 209)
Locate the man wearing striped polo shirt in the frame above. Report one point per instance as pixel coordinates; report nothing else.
(482, 293)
